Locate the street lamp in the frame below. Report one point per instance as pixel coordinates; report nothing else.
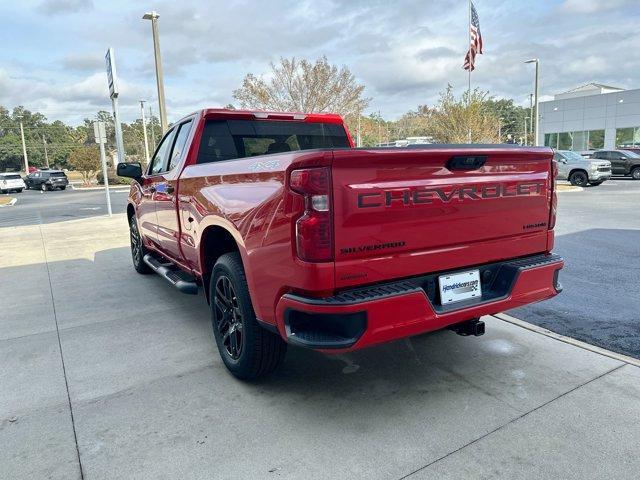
(153, 16)
(536, 126)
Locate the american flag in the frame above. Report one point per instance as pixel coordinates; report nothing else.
(475, 45)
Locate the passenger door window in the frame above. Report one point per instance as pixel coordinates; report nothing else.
(158, 161)
(180, 144)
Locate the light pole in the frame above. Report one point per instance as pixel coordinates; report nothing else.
(24, 149)
(531, 109)
(536, 125)
(153, 16)
(153, 133)
(144, 133)
(526, 139)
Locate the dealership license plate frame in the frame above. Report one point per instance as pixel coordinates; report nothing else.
(450, 296)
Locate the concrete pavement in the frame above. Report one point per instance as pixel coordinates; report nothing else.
(115, 375)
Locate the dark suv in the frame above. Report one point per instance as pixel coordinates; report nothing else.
(623, 162)
(47, 180)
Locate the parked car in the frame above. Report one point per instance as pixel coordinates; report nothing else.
(47, 180)
(623, 162)
(581, 171)
(11, 182)
(297, 237)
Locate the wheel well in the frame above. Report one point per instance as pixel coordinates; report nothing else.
(578, 170)
(215, 241)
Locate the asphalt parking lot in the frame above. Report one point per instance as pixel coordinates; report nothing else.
(598, 234)
(35, 207)
(109, 374)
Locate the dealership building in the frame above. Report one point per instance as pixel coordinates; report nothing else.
(591, 117)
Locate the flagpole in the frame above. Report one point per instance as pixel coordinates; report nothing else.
(469, 89)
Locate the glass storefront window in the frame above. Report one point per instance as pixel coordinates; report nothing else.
(551, 140)
(627, 137)
(565, 140)
(596, 139)
(579, 141)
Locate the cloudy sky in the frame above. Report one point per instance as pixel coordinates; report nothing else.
(404, 52)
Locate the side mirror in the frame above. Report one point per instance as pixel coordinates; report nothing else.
(130, 170)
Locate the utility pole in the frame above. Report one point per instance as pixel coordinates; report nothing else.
(100, 133)
(535, 126)
(24, 149)
(46, 155)
(153, 16)
(153, 134)
(144, 132)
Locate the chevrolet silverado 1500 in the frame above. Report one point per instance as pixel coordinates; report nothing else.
(297, 237)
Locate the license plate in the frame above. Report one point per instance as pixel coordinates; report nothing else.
(459, 286)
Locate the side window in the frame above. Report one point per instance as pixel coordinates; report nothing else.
(180, 144)
(557, 157)
(158, 161)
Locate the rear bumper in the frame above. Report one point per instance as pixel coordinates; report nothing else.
(362, 317)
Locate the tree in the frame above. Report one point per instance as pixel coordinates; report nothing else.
(303, 86)
(453, 119)
(85, 160)
(512, 116)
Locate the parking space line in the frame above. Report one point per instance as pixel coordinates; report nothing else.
(571, 341)
(64, 370)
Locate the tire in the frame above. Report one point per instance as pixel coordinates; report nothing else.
(63, 188)
(137, 248)
(595, 184)
(579, 179)
(247, 350)
(635, 173)
(43, 187)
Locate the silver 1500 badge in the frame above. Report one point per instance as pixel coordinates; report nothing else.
(264, 165)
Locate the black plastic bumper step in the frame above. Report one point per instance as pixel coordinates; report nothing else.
(172, 274)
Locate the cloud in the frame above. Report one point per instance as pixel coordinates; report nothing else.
(84, 62)
(593, 6)
(60, 7)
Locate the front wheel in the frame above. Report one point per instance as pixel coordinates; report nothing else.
(247, 350)
(635, 173)
(137, 248)
(579, 179)
(43, 187)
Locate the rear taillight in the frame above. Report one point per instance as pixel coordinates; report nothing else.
(554, 195)
(314, 234)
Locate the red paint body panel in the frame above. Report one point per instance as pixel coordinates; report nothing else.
(431, 223)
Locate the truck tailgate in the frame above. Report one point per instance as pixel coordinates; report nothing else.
(403, 212)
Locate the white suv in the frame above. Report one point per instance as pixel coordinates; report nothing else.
(11, 182)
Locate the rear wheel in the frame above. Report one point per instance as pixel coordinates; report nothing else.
(635, 173)
(137, 247)
(63, 188)
(43, 187)
(247, 350)
(579, 179)
(19, 190)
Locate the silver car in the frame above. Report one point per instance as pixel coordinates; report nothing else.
(581, 171)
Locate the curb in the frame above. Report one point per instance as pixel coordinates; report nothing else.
(569, 188)
(571, 341)
(11, 203)
(118, 187)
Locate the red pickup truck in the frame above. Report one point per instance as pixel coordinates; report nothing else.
(297, 237)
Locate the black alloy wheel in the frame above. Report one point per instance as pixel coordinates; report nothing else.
(579, 179)
(137, 247)
(228, 318)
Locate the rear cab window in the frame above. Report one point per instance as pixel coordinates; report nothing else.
(230, 139)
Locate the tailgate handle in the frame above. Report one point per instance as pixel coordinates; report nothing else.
(466, 162)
